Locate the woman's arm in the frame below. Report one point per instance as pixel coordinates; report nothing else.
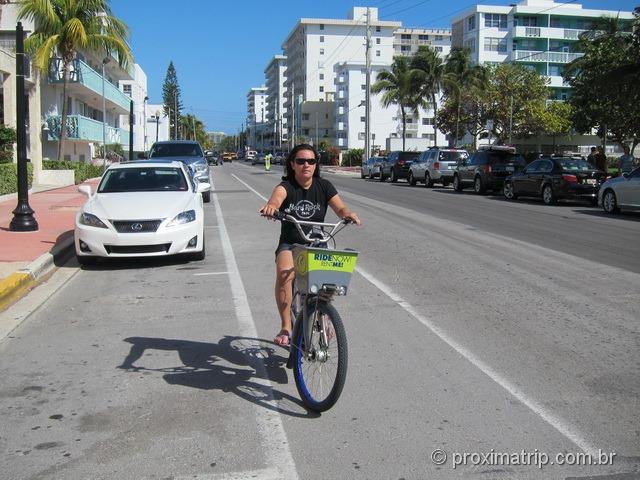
(275, 202)
(342, 211)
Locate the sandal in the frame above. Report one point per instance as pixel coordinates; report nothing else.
(283, 338)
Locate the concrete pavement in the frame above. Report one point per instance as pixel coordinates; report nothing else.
(28, 257)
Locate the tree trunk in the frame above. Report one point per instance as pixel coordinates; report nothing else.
(457, 122)
(63, 116)
(404, 127)
(435, 120)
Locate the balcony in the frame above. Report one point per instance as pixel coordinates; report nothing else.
(411, 128)
(83, 75)
(556, 81)
(552, 33)
(342, 94)
(531, 56)
(85, 129)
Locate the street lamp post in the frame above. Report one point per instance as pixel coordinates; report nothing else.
(144, 133)
(105, 60)
(157, 123)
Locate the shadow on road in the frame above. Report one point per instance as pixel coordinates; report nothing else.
(122, 263)
(628, 216)
(206, 366)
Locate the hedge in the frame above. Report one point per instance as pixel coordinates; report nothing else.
(82, 170)
(9, 177)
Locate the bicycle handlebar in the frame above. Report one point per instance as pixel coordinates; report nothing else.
(283, 217)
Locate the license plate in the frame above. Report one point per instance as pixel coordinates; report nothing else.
(510, 168)
(590, 181)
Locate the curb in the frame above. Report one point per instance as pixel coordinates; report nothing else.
(17, 284)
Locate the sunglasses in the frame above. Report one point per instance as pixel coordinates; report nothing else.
(302, 161)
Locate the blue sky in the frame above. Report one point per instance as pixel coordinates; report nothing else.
(220, 48)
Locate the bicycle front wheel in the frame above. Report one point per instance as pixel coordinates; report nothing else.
(321, 369)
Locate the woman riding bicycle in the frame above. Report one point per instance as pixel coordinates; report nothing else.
(305, 196)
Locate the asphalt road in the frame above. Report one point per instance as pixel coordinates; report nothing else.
(475, 326)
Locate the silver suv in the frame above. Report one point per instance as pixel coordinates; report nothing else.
(436, 165)
(188, 152)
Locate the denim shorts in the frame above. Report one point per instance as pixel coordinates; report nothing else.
(282, 247)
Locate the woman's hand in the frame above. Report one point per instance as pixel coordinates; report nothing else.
(353, 216)
(268, 210)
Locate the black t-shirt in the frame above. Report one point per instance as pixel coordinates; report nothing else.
(309, 205)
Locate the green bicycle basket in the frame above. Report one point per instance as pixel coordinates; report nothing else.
(316, 267)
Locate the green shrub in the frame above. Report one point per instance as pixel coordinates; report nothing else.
(353, 157)
(7, 139)
(82, 170)
(9, 177)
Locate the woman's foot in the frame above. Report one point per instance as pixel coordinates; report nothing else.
(283, 338)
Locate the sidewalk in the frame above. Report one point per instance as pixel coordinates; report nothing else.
(26, 257)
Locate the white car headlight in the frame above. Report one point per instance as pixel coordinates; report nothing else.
(182, 218)
(201, 168)
(91, 220)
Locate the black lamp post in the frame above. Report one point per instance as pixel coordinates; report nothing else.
(23, 219)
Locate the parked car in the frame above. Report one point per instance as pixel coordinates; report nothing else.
(397, 165)
(555, 177)
(213, 158)
(258, 159)
(279, 158)
(188, 152)
(229, 156)
(142, 209)
(487, 168)
(436, 165)
(621, 192)
(371, 168)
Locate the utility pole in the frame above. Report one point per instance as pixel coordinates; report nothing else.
(292, 137)
(193, 120)
(316, 144)
(175, 112)
(367, 98)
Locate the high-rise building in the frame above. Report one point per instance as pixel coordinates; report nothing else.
(275, 75)
(136, 89)
(256, 117)
(406, 41)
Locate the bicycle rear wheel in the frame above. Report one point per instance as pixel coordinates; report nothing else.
(320, 373)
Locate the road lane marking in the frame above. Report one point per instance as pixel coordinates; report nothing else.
(249, 187)
(274, 438)
(264, 474)
(556, 422)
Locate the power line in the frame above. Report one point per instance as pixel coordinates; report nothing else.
(408, 8)
(388, 5)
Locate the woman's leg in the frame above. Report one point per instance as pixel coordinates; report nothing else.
(284, 279)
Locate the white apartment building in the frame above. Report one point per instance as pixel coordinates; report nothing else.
(406, 41)
(157, 124)
(256, 117)
(539, 34)
(312, 49)
(275, 74)
(136, 89)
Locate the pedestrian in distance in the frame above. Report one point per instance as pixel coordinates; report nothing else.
(591, 158)
(626, 162)
(305, 196)
(601, 159)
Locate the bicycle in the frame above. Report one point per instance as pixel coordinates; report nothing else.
(318, 351)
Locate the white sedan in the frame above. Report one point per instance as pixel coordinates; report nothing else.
(621, 192)
(142, 209)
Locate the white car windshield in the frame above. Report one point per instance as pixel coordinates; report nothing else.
(144, 179)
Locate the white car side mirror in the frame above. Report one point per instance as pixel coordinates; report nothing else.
(203, 187)
(85, 189)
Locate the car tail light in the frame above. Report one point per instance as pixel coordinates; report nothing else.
(436, 166)
(570, 178)
(400, 162)
(487, 169)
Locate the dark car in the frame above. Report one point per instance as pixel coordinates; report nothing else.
(397, 165)
(555, 177)
(487, 168)
(188, 152)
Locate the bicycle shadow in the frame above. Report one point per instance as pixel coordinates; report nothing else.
(234, 364)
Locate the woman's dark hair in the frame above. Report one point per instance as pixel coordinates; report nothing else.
(290, 174)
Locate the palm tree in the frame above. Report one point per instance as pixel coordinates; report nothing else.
(462, 77)
(427, 71)
(63, 27)
(397, 87)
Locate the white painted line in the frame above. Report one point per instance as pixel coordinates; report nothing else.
(559, 424)
(246, 185)
(269, 423)
(264, 474)
(209, 273)
(556, 422)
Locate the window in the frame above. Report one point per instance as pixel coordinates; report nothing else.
(305, 116)
(361, 136)
(471, 23)
(377, 41)
(322, 26)
(377, 28)
(429, 136)
(496, 20)
(377, 53)
(322, 76)
(555, 70)
(364, 87)
(405, 48)
(322, 51)
(427, 121)
(470, 45)
(438, 38)
(306, 131)
(321, 38)
(363, 119)
(405, 36)
(495, 44)
(423, 37)
(321, 88)
(526, 21)
(126, 89)
(438, 49)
